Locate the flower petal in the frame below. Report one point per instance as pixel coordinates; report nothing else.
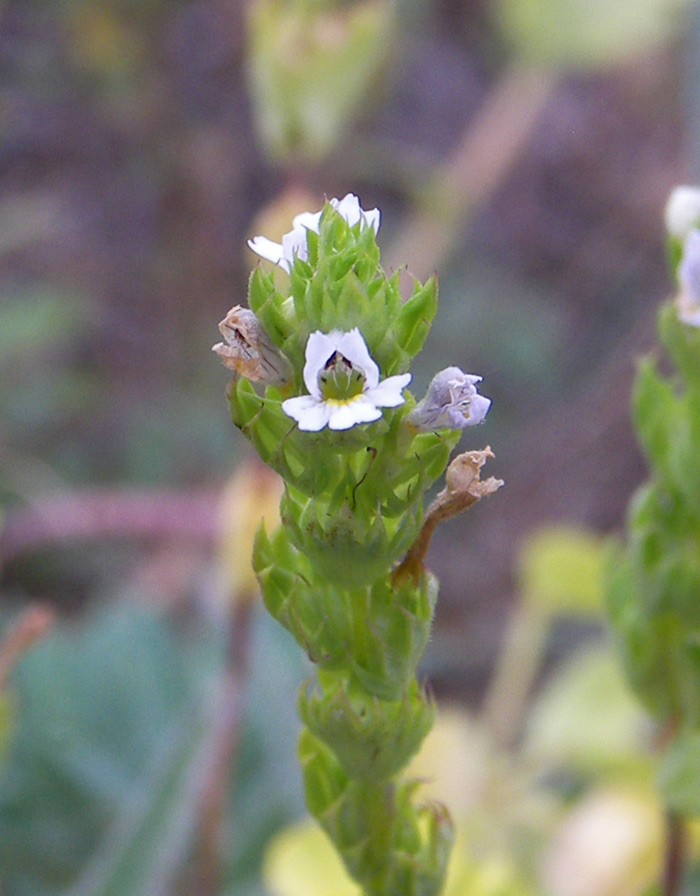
(311, 415)
(352, 346)
(348, 414)
(388, 393)
(268, 249)
(319, 348)
(478, 408)
(307, 221)
(349, 208)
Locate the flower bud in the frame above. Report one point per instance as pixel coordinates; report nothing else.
(249, 351)
(451, 402)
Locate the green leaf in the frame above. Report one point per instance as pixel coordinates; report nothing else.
(587, 718)
(679, 773)
(561, 571)
(98, 794)
(415, 317)
(568, 34)
(682, 342)
(655, 408)
(311, 69)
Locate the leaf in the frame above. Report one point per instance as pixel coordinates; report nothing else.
(587, 718)
(570, 34)
(561, 571)
(301, 861)
(679, 773)
(98, 794)
(310, 70)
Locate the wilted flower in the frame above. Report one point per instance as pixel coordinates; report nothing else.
(683, 211)
(688, 298)
(294, 245)
(451, 401)
(343, 382)
(248, 349)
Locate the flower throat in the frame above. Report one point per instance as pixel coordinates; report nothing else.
(339, 380)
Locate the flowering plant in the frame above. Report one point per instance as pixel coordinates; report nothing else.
(320, 390)
(654, 581)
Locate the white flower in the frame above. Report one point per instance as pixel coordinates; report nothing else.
(343, 382)
(682, 211)
(450, 402)
(294, 245)
(688, 298)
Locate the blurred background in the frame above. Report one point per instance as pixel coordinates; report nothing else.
(523, 149)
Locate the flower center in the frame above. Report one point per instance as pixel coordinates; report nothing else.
(339, 380)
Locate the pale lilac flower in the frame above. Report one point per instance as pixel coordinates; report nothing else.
(294, 244)
(343, 383)
(688, 298)
(451, 402)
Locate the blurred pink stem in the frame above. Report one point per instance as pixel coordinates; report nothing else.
(99, 513)
(225, 736)
(478, 165)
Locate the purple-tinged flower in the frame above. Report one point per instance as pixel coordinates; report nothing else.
(688, 297)
(451, 402)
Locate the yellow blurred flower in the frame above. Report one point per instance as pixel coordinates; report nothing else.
(252, 495)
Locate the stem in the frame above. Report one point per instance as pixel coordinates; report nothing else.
(32, 625)
(225, 737)
(516, 668)
(475, 169)
(674, 859)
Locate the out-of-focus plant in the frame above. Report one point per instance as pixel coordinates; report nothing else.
(552, 791)
(119, 773)
(321, 368)
(576, 33)
(311, 64)
(654, 580)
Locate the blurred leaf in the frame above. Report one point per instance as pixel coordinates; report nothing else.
(610, 843)
(5, 723)
(561, 571)
(301, 861)
(574, 33)
(587, 718)
(310, 70)
(95, 705)
(37, 324)
(268, 791)
(679, 773)
(97, 794)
